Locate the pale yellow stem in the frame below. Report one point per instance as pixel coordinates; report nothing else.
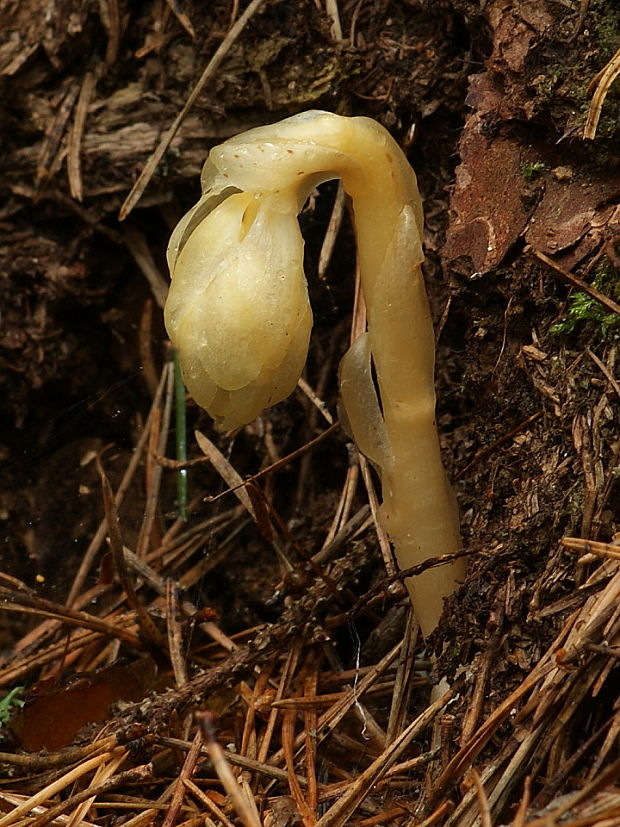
(419, 509)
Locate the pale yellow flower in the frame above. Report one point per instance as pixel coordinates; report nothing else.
(238, 309)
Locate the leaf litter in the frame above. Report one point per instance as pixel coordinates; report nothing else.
(227, 669)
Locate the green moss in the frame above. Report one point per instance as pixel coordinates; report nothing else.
(583, 308)
(10, 704)
(548, 81)
(607, 28)
(532, 171)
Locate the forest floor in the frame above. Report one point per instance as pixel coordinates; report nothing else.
(257, 663)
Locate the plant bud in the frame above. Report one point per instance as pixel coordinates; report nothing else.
(238, 309)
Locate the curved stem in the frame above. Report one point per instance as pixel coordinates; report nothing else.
(419, 509)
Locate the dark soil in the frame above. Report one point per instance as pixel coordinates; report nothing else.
(490, 101)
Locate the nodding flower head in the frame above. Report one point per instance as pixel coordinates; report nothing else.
(238, 309)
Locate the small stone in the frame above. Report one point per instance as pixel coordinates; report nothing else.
(562, 173)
